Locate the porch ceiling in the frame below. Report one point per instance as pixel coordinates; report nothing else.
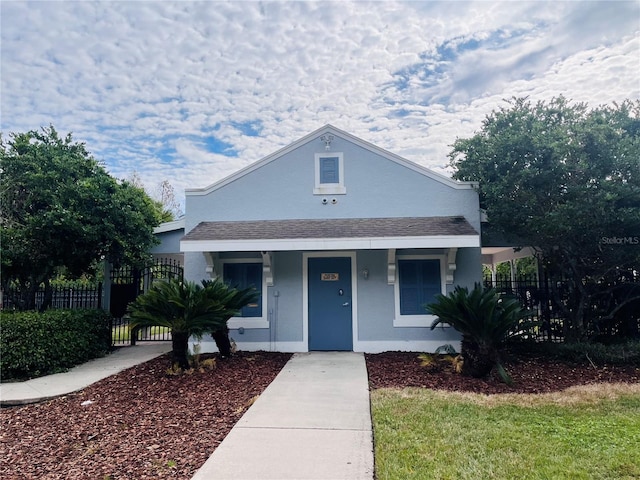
(495, 255)
(329, 234)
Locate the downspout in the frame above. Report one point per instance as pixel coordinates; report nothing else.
(274, 329)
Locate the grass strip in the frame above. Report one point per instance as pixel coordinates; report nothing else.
(123, 333)
(588, 432)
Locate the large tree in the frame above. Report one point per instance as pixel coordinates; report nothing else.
(164, 198)
(566, 180)
(60, 211)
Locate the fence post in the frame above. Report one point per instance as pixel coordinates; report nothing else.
(105, 298)
(99, 295)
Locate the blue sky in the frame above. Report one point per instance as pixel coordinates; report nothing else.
(192, 91)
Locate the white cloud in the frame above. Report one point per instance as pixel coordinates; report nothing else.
(145, 83)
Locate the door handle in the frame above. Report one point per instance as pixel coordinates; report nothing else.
(345, 304)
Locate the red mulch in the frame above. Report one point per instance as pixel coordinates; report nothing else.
(530, 374)
(142, 424)
(145, 424)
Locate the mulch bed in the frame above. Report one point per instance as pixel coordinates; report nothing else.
(141, 424)
(145, 424)
(530, 374)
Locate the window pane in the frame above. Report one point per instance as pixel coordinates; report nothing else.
(232, 275)
(409, 301)
(419, 282)
(329, 170)
(244, 275)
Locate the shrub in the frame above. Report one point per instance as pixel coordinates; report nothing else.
(33, 344)
(620, 353)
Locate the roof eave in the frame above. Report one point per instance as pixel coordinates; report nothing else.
(172, 226)
(354, 243)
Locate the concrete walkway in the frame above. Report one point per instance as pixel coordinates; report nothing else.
(77, 378)
(312, 423)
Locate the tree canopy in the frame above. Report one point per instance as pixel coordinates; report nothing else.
(61, 211)
(564, 179)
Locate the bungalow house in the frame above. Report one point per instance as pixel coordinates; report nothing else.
(346, 243)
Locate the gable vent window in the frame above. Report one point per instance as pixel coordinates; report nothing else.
(329, 174)
(329, 170)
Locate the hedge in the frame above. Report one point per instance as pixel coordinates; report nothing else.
(34, 344)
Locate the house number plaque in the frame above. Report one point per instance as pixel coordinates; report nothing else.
(329, 277)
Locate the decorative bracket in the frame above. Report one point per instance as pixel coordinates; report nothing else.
(210, 269)
(267, 267)
(451, 265)
(391, 266)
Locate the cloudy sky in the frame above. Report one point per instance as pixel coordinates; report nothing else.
(192, 91)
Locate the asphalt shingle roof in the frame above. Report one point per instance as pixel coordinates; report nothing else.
(331, 228)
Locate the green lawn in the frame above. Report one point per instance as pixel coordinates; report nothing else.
(585, 433)
(123, 334)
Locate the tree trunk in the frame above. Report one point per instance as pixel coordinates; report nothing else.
(28, 296)
(576, 306)
(478, 360)
(180, 344)
(221, 337)
(48, 296)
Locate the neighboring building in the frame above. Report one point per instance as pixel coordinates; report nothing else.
(498, 248)
(169, 234)
(345, 241)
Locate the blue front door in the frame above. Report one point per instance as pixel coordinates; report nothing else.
(330, 304)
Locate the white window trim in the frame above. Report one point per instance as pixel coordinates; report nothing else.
(416, 320)
(330, 188)
(248, 322)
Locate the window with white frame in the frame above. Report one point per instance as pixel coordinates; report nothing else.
(242, 274)
(329, 174)
(419, 279)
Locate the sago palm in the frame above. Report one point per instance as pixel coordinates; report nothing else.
(187, 308)
(234, 299)
(485, 319)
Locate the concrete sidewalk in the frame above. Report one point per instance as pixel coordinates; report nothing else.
(312, 423)
(77, 378)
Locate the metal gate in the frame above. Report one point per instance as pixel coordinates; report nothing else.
(127, 283)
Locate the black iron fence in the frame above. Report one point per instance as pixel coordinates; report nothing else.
(550, 299)
(126, 284)
(122, 286)
(122, 333)
(62, 296)
(538, 297)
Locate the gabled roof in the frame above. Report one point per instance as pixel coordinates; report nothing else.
(330, 129)
(327, 234)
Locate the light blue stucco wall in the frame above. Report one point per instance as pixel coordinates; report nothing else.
(286, 307)
(376, 300)
(376, 187)
(169, 242)
(375, 304)
(284, 302)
